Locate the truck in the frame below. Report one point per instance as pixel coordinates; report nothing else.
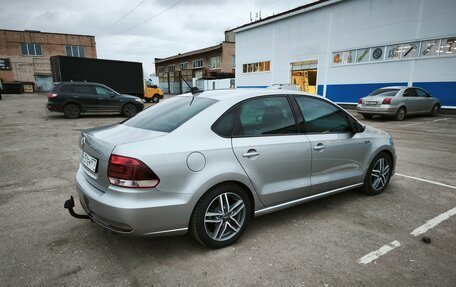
(124, 77)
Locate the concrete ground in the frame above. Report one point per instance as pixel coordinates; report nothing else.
(319, 243)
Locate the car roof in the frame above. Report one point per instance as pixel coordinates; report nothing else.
(78, 83)
(241, 94)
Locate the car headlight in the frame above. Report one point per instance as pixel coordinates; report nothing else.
(138, 100)
(390, 140)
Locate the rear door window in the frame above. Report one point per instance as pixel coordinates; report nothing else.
(69, 89)
(170, 114)
(269, 115)
(410, 93)
(88, 90)
(322, 117)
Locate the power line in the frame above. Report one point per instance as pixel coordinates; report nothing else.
(121, 18)
(150, 18)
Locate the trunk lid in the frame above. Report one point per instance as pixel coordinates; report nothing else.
(97, 144)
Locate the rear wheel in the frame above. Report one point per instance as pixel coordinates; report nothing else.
(221, 216)
(72, 111)
(400, 115)
(378, 174)
(367, 117)
(155, 99)
(129, 110)
(435, 110)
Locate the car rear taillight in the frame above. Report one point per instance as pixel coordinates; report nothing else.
(52, 95)
(130, 172)
(360, 101)
(387, 101)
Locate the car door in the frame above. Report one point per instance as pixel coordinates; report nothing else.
(107, 100)
(266, 142)
(412, 102)
(337, 152)
(87, 97)
(426, 102)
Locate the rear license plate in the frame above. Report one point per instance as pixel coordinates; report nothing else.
(89, 161)
(371, 102)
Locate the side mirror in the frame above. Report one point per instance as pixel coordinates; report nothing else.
(429, 95)
(113, 95)
(359, 128)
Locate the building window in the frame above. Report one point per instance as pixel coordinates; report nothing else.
(5, 64)
(233, 61)
(257, 67)
(197, 64)
(171, 68)
(30, 49)
(75, 51)
(183, 66)
(214, 62)
(161, 69)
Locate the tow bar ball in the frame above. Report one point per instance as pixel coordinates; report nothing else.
(69, 204)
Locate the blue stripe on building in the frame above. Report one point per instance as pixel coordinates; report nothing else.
(444, 91)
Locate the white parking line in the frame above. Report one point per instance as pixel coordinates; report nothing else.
(433, 222)
(379, 252)
(426, 180)
(414, 124)
(438, 120)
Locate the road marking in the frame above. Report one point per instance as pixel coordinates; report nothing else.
(414, 124)
(426, 180)
(379, 252)
(433, 222)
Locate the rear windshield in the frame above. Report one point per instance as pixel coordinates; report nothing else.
(169, 115)
(385, 92)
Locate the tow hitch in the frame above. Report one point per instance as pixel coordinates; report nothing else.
(69, 204)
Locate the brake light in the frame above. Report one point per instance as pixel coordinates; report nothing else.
(360, 101)
(52, 95)
(387, 101)
(130, 172)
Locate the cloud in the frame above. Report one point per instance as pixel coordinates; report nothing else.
(190, 25)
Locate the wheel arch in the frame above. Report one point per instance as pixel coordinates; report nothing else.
(73, 102)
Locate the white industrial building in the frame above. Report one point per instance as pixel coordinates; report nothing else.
(345, 49)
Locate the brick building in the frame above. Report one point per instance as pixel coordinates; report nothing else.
(25, 55)
(215, 62)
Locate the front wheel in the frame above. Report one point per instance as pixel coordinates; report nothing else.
(221, 216)
(435, 110)
(378, 174)
(129, 110)
(155, 99)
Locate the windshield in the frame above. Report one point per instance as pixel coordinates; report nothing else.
(170, 114)
(385, 92)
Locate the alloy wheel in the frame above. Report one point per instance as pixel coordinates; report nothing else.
(224, 216)
(380, 174)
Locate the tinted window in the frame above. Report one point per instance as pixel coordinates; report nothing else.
(69, 89)
(170, 114)
(87, 90)
(322, 117)
(410, 93)
(421, 93)
(103, 91)
(224, 126)
(265, 116)
(384, 92)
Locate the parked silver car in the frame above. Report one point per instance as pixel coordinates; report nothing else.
(208, 163)
(398, 102)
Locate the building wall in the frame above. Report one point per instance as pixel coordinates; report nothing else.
(348, 25)
(26, 68)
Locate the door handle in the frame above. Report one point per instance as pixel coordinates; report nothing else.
(251, 153)
(100, 99)
(319, 147)
(75, 97)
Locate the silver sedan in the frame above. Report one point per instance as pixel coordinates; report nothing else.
(205, 164)
(398, 102)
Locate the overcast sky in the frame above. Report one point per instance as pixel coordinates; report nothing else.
(156, 28)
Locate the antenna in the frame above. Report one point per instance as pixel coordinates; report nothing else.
(194, 90)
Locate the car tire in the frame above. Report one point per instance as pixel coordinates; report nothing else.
(129, 110)
(72, 111)
(155, 99)
(147, 100)
(400, 114)
(217, 228)
(435, 110)
(367, 117)
(378, 175)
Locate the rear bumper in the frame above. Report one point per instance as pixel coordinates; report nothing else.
(135, 213)
(54, 107)
(379, 110)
